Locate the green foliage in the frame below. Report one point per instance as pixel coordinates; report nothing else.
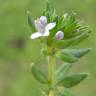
(72, 80)
(74, 30)
(72, 55)
(39, 75)
(74, 33)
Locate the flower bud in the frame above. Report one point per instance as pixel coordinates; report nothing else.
(59, 35)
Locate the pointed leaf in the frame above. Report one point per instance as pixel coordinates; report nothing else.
(72, 80)
(38, 74)
(31, 22)
(66, 57)
(77, 52)
(47, 10)
(63, 92)
(48, 5)
(72, 55)
(54, 16)
(70, 29)
(62, 70)
(81, 29)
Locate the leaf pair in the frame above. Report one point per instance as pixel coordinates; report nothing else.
(68, 81)
(71, 55)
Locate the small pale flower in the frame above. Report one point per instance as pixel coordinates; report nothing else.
(59, 35)
(42, 27)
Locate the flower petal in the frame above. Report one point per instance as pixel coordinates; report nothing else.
(46, 33)
(50, 26)
(43, 20)
(38, 25)
(36, 35)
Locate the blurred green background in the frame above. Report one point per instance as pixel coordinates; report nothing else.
(17, 50)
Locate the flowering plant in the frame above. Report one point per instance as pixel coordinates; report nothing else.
(58, 35)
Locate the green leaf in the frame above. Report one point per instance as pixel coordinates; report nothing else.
(71, 55)
(66, 57)
(70, 29)
(81, 29)
(44, 89)
(70, 24)
(31, 22)
(72, 80)
(77, 52)
(61, 22)
(81, 37)
(39, 75)
(63, 92)
(47, 10)
(48, 5)
(62, 70)
(54, 16)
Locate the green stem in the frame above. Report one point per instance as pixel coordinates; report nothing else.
(51, 60)
(51, 93)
